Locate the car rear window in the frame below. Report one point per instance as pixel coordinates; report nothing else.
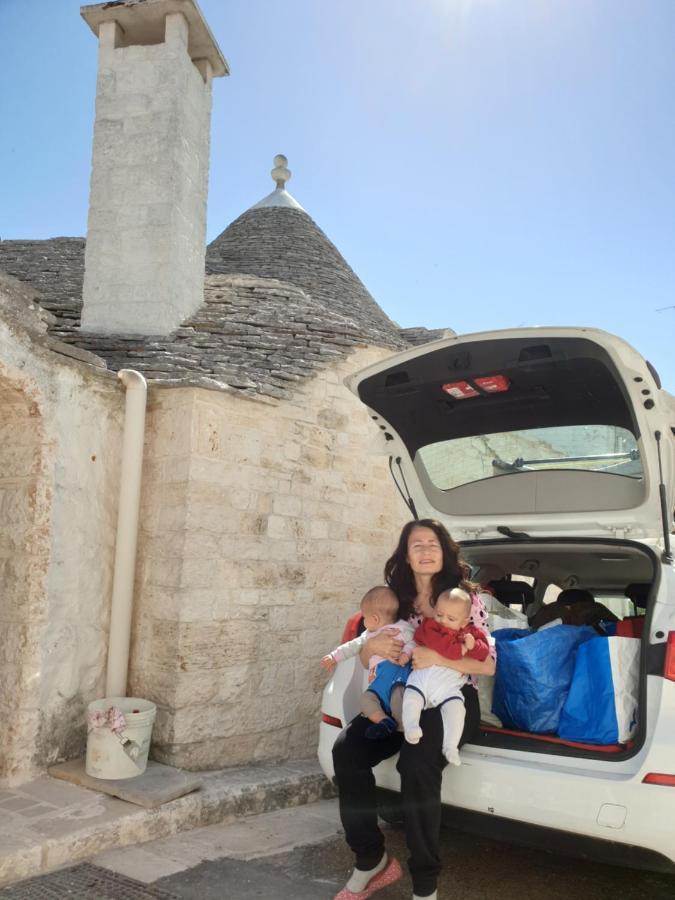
(607, 449)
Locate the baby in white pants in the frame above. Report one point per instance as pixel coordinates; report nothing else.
(451, 635)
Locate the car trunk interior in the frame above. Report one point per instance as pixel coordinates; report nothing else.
(527, 576)
(524, 433)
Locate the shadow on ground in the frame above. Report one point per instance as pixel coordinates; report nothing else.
(474, 869)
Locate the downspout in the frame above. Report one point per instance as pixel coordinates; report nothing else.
(127, 532)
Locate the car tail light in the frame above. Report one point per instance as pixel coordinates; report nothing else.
(331, 720)
(669, 666)
(659, 778)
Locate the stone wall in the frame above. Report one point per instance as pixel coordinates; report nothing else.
(59, 455)
(263, 523)
(25, 490)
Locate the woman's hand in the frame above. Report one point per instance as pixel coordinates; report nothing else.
(385, 645)
(423, 657)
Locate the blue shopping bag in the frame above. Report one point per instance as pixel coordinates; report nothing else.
(534, 674)
(601, 706)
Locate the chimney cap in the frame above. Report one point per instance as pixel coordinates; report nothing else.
(142, 22)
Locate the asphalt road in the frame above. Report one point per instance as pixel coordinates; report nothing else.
(474, 869)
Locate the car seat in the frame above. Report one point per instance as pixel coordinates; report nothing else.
(512, 593)
(575, 606)
(638, 593)
(633, 626)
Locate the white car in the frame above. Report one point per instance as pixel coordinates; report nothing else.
(549, 454)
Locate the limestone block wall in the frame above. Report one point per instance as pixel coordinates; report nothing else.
(59, 452)
(144, 263)
(263, 523)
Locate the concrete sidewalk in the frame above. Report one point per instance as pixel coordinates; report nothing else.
(48, 823)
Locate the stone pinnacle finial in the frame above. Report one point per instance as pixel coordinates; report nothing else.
(280, 173)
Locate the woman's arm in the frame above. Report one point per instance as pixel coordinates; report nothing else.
(423, 657)
(384, 644)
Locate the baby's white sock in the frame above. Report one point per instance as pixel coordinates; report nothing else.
(413, 704)
(452, 756)
(360, 878)
(453, 714)
(413, 735)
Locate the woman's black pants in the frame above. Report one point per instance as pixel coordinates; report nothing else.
(421, 768)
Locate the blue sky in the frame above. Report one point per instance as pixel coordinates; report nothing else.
(480, 163)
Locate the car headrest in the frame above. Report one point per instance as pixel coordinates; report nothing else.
(512, 592)
(570, 596)
(638, 594)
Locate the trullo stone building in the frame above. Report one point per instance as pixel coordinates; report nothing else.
(264, 513)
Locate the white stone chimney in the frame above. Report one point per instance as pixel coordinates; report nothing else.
(146, 236)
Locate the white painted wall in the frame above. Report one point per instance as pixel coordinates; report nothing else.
(59, 459)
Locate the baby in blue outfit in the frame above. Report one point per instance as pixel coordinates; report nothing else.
(382, 701)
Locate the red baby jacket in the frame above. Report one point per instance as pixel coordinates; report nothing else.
(449, 643)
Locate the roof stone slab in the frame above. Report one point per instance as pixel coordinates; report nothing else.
(418, 336)
(257, 335)
(22, 311)
(55, 269)
(280, 302)
(285, 243)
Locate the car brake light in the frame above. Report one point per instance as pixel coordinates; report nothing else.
(659, 778)
(460, 390)
(493, 384)
(669, 666)
(331, 720)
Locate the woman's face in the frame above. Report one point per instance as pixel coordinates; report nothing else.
(425, 555)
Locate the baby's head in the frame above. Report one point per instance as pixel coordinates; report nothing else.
(379, 607)
(453, 609)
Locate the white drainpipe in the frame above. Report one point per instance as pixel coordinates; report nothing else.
(127, 532)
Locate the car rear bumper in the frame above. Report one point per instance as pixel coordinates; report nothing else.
(610, 816)
(566, 843)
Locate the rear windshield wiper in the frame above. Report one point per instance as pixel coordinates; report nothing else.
(519, 464)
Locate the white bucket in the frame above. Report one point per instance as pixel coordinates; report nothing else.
(122, 754)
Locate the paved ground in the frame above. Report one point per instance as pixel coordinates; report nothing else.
(299, 854)
(49, 823)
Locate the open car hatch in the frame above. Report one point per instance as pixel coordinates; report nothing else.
(554, 431)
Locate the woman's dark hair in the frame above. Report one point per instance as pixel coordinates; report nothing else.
(400, 578)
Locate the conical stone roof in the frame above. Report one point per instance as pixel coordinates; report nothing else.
(277, 239)
(280, 303)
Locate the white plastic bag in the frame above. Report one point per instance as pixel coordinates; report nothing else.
(499, 616)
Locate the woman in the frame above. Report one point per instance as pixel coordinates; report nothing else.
(425, 563)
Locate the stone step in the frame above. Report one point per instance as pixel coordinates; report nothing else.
(48, 823)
